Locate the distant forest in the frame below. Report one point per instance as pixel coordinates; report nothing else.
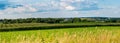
(61, 20)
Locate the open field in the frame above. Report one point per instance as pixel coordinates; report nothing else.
(43, 26)
(105, 34)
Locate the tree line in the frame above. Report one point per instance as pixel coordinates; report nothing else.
(60, 20)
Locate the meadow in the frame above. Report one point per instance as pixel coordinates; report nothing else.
(45, 26)
(104, 34)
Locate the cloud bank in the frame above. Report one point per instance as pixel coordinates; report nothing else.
(55, 8)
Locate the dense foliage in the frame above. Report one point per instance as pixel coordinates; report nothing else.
(60, 20)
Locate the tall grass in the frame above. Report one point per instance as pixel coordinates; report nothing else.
(108, 34)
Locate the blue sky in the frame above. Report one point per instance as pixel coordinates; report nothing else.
(59, 8)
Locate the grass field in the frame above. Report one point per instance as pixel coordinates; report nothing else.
(105, 34)
(43, 26)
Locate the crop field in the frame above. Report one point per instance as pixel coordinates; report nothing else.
(104, 34)
(43, 26)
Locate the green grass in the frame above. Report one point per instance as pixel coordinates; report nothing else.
(45, 24)
(42, 26)
(105, 34)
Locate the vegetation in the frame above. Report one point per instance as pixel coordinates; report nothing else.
(61, 20)
(105, 34)
(43, 26)
(60, 30)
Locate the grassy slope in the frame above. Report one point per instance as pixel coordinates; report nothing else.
(108, 34)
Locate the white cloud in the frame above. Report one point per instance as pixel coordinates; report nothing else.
(69, 8)
(18, 10)
(79, 4)
(72, 0)
(1, 13)
(66, 7)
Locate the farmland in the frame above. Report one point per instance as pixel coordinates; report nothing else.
(43, 26)
(59, 21)
(84, 32)
(105, 34)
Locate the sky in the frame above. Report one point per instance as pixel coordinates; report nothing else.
(13, 9)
